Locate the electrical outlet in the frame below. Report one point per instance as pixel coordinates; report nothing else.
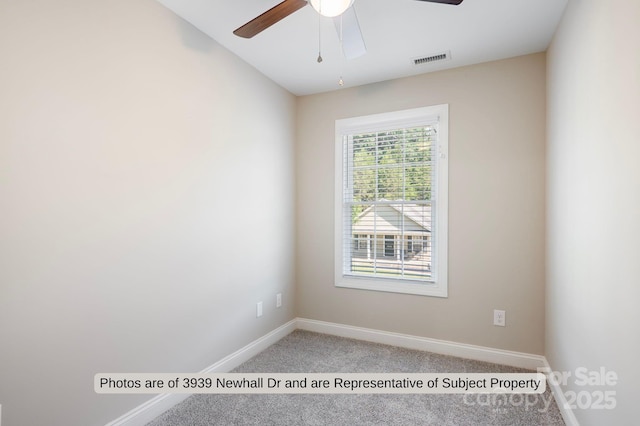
(499, 317)
(259, 310)
(278, 300)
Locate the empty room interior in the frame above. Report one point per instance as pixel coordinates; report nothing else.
(170, 199)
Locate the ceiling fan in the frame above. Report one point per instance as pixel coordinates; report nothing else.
(344, 17)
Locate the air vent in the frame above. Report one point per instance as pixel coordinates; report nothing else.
(433, 58)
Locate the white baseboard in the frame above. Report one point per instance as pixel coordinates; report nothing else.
(157, 405)
(462, 350)
(567, 413)
(144, 413)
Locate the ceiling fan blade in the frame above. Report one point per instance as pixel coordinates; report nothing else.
(270, 17)
(352, 41)
(453, 2)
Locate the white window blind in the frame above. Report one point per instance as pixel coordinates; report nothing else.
(388, 233)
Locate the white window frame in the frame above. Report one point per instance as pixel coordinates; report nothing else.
(438, 285)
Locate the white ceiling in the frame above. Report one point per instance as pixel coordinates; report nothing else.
(395, 32)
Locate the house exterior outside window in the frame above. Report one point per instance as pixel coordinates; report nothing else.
(391, 201)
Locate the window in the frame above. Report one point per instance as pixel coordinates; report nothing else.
(389, 248)
(362, 242)
(391, 201)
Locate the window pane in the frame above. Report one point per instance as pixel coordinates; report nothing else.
(390, 203)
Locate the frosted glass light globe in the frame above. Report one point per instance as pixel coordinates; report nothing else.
(331, 8)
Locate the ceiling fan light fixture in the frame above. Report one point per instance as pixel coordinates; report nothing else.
(331, 8)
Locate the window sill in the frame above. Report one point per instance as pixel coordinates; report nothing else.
(420, 288)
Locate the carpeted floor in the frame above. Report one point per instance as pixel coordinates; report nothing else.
(306, 352)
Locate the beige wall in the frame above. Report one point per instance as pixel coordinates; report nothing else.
(496, 208)
(593, 187)
(131, 148)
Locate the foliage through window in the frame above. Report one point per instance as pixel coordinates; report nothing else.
(391, 193)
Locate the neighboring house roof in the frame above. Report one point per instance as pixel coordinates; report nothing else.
(389, 219)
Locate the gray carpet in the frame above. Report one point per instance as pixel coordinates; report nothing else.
(306, 352)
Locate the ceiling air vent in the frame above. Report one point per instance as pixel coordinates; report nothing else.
(433, 58)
